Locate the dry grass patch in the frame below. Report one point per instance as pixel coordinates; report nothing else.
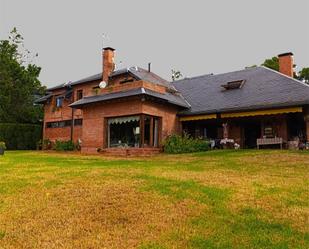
(90, 215)
(218, 199)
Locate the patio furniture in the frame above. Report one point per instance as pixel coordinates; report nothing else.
(269, 141)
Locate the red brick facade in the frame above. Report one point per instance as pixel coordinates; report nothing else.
(92, 131)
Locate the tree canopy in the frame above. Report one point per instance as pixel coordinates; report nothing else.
(303, 75)
(19, 83)
(273, 63)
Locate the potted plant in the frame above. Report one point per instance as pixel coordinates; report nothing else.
(2, 148)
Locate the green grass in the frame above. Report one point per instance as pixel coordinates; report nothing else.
(216, 199)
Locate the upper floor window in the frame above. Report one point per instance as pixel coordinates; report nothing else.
(79, 94)
(59, 101)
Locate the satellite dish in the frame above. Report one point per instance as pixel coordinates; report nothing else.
(102, 84)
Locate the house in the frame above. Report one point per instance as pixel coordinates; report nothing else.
(135, 109)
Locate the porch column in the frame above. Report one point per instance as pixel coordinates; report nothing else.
(225, 130)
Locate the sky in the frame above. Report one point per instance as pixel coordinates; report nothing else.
(195, 37)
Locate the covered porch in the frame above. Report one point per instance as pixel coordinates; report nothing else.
(268, 128)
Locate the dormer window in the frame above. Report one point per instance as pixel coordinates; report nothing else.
(237, 84)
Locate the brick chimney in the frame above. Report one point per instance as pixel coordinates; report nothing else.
(286, 64)
(108, 63)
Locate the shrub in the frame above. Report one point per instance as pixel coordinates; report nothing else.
(64, 145)
(2, 145)
(20, 136)
(184, 144)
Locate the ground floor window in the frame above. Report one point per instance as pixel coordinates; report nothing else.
(64, 123)
(133, 131)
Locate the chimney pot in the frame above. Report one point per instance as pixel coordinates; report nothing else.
(149, 67)
(286, 64)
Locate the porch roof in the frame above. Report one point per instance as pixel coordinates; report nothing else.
(168, 97)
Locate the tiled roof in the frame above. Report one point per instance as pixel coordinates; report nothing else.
(170, 98)
(263, 88)
(137, 72)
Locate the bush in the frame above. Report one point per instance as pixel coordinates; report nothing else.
(184, 144)
(64, 145)
(2, 145)
(20, 136)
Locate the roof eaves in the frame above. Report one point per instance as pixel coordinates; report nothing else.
(249, 108)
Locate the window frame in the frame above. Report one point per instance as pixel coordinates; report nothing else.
(79, 94)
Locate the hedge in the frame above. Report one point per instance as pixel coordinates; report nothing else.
(65, 145)
(175, 144)
(20, 136)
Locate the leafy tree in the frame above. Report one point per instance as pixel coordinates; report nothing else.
(303, 75)
(272, 63)
(19, 83)
(176, 75)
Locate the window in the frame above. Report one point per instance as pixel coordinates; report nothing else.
(78, 122)
(79, 94)
(133, 131)
(59, 124)
(237, 84)
(59, 102)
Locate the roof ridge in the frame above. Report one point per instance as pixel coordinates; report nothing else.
(214, 75)
(291, 78)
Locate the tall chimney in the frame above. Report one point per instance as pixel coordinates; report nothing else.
(108, 63)
(286, 64)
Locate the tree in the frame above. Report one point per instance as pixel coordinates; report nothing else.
(303, 75)
(176, 75)
(19, 83)
(272, 63)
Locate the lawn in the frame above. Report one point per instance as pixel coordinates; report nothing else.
(216, 199)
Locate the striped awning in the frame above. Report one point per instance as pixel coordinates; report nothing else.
(121, 120)
(261, 112)
(198, 117)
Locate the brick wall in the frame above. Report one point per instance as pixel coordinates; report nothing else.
(93, 133)
(53, 114)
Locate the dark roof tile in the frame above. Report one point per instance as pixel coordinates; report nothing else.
(168, 97)
(263, 88)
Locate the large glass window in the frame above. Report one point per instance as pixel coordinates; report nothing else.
(133, 131)
(124, 131)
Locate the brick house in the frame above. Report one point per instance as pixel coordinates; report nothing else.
(135, 109)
